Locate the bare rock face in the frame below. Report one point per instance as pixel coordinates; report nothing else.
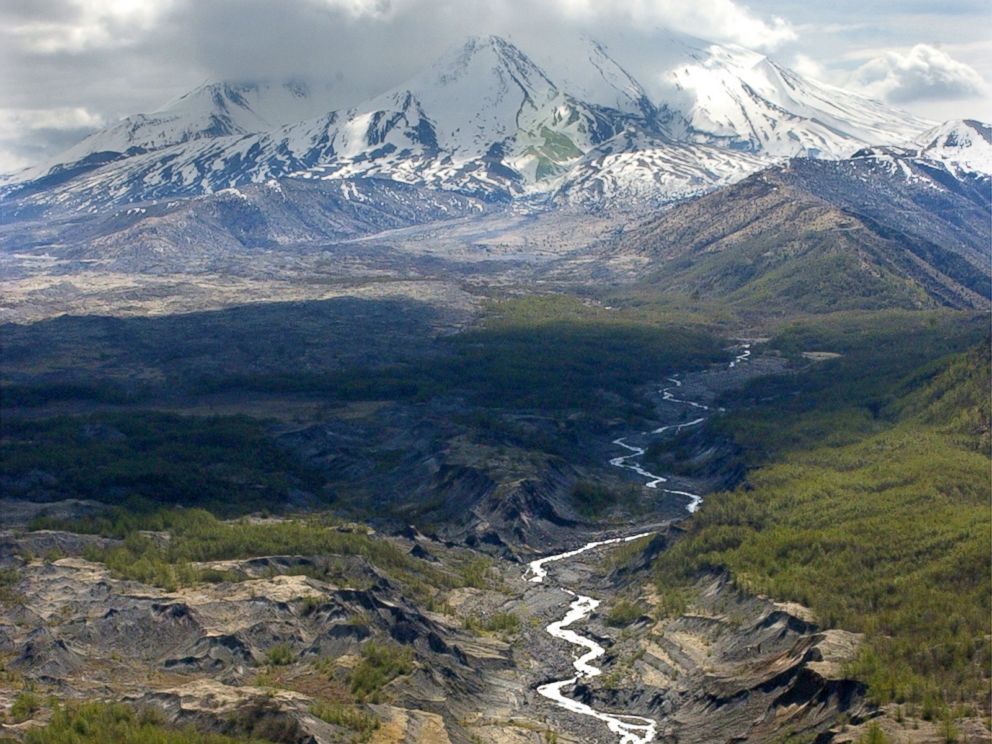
(744, 668)
(197, 652)
(213, 706)
(257, 656)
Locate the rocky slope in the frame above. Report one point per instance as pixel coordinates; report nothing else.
(262, 654)
(879, 229)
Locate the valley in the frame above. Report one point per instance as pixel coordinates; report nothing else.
(484, 493)
(189, 579)
(537, 399)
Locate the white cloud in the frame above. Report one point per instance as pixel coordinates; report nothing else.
(923, 73)
(91, 24)
(53, 118)
(719, 20)
(808, 67)
(22, 129)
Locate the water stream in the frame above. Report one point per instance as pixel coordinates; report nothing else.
(629, 728)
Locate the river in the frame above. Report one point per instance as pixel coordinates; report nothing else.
(629, 728)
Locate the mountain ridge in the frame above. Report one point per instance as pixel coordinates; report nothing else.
(489, 121)
(876, 230)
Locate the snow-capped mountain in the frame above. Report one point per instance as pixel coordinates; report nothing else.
(211, 110)
(964, 146)
(958, 151)
(485, 120)
(731, 96)
(635, 168)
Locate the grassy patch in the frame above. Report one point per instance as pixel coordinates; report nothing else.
(280, 655)
(593, 499)
(99, 723)
(198, 536)
(25, 705)
(379, 665)
(347, 716)
(623, 612)
(8, 580)
(506, 623)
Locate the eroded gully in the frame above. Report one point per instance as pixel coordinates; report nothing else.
(630, 729)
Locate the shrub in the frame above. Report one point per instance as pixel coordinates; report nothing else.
(280, 655)
(347, 716)
(26, 704)
(623, 613)
(99, 723)
(379, 665)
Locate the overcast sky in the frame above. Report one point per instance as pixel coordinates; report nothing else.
(70, 66)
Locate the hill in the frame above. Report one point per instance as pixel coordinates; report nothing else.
(876, 230)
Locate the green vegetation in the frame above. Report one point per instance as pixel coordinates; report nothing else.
(475, 572)
(147, 459)
(868, 501)
(556, 353)
(623, 612)
(874, 735)
(99, 723)
(622, 554)
(506, 623)
(280, 655)
(886, 358)
(549, 353)
(380, 664)
(672, 601)
(502, 622)
(25, 705)
(347, 716)
(8, 580)
(198, 536)
(592, 499)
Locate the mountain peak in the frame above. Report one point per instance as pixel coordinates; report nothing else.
(213, 109)
(964, 145)
(956, 133)
(487, 119)
(479, 55)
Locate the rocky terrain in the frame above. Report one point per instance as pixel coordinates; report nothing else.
(272, 644)
(265, 652)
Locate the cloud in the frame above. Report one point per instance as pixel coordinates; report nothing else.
(719, 20)
(26, 135)
(76, 25)
(118, 57)
(808, 67)
(923, 73)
